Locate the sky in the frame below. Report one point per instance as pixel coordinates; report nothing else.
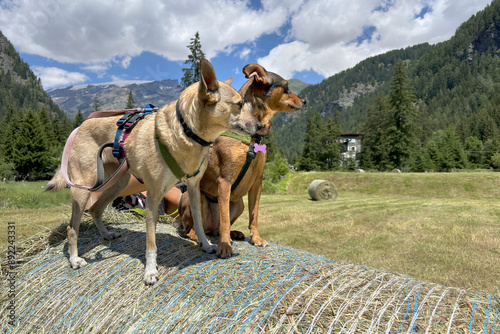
(75, 42)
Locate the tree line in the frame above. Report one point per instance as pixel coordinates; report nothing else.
(395, 136)
(452, 106)
(34, 129)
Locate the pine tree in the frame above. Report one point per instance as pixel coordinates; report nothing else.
(310, 158)
(30, 147)
(46, 122)
(12, 120)
(271, 146)
(78, 119)
(130, 101)
(96, 105)
(402, 131)
(277, 168)
(330, 156)
(192, 73)
(374, 153)
(473, 147)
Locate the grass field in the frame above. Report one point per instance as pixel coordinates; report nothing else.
(443, 228)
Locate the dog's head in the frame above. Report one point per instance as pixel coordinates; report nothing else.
(265, 94)
(218, 106)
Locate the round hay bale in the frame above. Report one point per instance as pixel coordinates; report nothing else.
(322, 190)
(275, 289)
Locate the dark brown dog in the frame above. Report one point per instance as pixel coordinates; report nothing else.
(265, 94)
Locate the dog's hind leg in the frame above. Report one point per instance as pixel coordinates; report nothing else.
(253, 208)
(236, 209)
(97, 209)
(79, 200)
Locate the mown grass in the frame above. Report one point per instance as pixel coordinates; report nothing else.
(31, 209)
(443, 228)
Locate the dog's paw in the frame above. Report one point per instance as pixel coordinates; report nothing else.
(237, 235)
(224, 250)
(151, 278)
(151, 270)
(77, 262)
(207, 247)
(259, 242)
(111, 235)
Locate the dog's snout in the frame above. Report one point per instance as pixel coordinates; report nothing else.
(304, 101)
(259, 125)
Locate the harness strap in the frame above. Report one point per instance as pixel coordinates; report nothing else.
(127, 123)
(172, 163)
(250, 156)
(98, 185)
(109, 113)
(169, 160)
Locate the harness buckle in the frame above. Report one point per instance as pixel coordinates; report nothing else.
(125, 118)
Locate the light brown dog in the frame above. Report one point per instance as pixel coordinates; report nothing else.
(264, 95)
(209, 107)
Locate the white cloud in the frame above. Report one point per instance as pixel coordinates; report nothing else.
(52, 77)
(321, 31)
(317, 33)
(244, 53)
(98, 31)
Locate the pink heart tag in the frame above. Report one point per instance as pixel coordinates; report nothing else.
(260, 148)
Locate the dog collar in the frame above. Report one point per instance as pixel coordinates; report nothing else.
(244, 139)
(187, 129)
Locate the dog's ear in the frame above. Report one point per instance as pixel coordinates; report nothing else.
(228, 81)
(208, 80)
(257, 71)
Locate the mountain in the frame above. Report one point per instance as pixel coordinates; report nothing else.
(34, 128)
(296, 85)
(19, 86)
(114, 95)
(456, 82)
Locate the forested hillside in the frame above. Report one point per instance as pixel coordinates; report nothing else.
(456, 84)
(33, 127)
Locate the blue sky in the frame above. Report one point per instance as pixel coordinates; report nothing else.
(78, 42)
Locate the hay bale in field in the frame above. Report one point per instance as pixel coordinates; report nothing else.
(322, 190)
(273, 290)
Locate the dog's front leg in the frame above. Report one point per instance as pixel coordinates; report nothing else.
(253, 208)
(224, 189)
(151, 270)
(195, 201)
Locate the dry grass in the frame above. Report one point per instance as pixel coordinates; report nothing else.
(32, 221)
(276, 289)
(400, 237)
(394, 222)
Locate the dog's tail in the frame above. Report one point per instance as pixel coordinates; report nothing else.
(57, 183)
